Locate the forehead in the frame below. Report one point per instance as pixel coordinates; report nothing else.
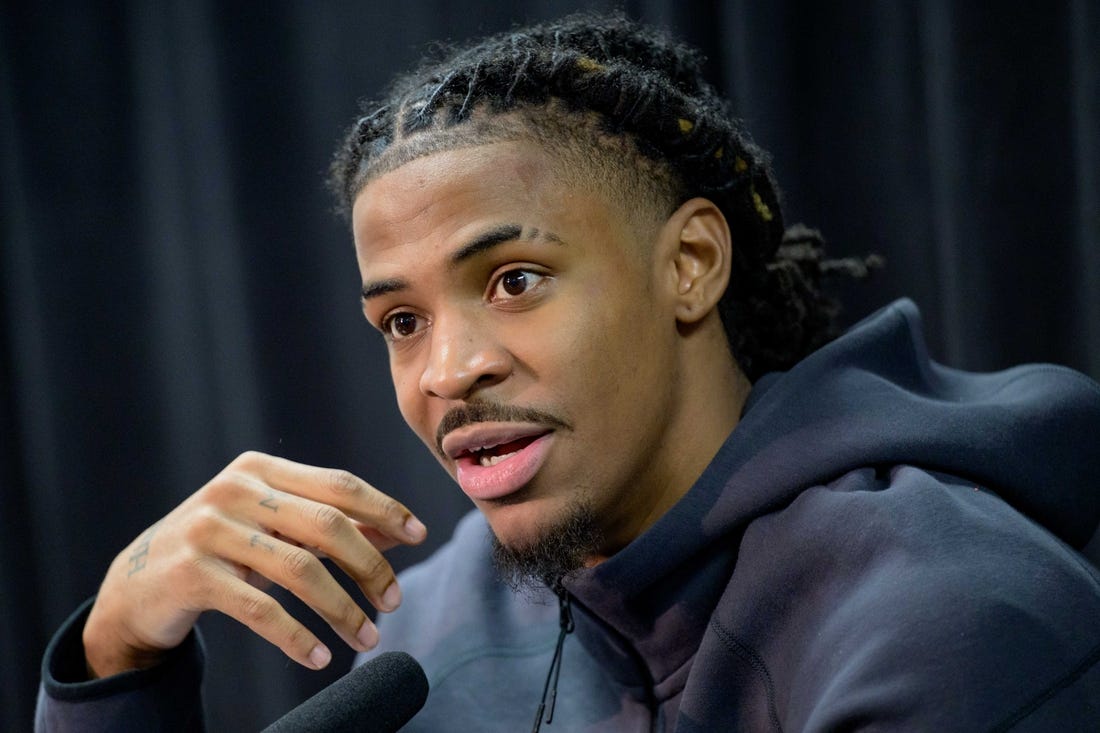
(478, 168)
(434, 198)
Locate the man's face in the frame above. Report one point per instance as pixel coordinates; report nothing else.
(531, 334)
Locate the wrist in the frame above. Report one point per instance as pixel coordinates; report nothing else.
(107, 652)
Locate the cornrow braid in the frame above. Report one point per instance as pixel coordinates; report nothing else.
(597, 79)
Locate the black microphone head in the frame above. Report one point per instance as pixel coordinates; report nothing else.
(378, 696)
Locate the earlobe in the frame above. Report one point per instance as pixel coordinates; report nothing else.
(701, 258)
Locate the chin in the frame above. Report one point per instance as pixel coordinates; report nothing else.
(521, 524)
(541, 547)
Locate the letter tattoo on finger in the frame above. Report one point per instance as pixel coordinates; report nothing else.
(258, 540)
(269, 501)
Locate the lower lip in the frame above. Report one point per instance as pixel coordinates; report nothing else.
(507, 477)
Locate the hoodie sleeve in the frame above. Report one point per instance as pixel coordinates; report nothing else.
(162, 698)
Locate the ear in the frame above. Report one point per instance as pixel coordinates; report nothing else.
(699, 240)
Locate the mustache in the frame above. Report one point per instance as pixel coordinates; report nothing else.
(475, 412)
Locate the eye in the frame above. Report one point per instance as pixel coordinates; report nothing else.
(514, 283)
(401, 325)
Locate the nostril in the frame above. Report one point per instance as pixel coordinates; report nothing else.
(485, 379)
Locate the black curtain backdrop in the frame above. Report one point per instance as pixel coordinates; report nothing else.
(175, 289)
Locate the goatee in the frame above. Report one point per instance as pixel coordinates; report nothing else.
(559, 549)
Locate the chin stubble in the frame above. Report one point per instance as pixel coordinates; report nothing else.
(559, 549)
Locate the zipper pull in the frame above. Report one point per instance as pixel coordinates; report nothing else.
(565, 621)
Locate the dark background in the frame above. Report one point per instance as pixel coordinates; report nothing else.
(174, 290)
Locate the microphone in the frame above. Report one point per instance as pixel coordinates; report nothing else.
(378, 696)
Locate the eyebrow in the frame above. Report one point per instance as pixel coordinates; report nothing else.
(381, 287)
(482, 243)
(486, 241)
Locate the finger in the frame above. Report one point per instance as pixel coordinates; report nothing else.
(317, 526)
(304, 575)
(339, 488)
(256, 580)
(380, 541)
(263, 614)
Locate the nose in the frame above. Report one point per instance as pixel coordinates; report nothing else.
(464, 358)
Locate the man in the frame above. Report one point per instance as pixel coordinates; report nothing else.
(710, 517)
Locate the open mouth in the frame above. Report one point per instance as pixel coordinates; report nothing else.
(493, 466)
(492, 455)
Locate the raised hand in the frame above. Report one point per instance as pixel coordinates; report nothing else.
(262, 519)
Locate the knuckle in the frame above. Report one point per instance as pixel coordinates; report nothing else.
(247, 459)
(389, 507)
(376, 569)
(298, 563)
(299, 639)
(343, 483)
(349, 615)
(223, 488)
(191, 576)
(204, 525)
(258, 610)
(329, 521)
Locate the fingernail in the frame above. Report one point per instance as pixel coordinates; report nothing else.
(415, 529)
(391, 599)
(320, 656)
(367, 635)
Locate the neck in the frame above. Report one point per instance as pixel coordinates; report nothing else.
(713, 397)
(712, 394)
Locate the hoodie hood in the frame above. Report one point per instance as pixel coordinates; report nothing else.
(871, 398)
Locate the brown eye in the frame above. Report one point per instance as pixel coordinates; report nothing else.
(401, 325)
(515, 283)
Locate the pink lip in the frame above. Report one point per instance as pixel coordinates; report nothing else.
(510, 475)
(480, 435)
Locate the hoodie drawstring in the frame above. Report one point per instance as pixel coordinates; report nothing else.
(551, 686)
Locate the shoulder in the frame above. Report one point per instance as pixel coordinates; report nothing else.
(910, 547)
(910, 590)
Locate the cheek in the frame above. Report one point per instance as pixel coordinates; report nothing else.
(410, 401)
(590, 348)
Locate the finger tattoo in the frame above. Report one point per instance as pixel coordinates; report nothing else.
(269, 501)
(258, 540)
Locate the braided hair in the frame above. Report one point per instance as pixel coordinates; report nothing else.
(602, 85)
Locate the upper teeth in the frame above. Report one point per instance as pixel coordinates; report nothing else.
(487, 460)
